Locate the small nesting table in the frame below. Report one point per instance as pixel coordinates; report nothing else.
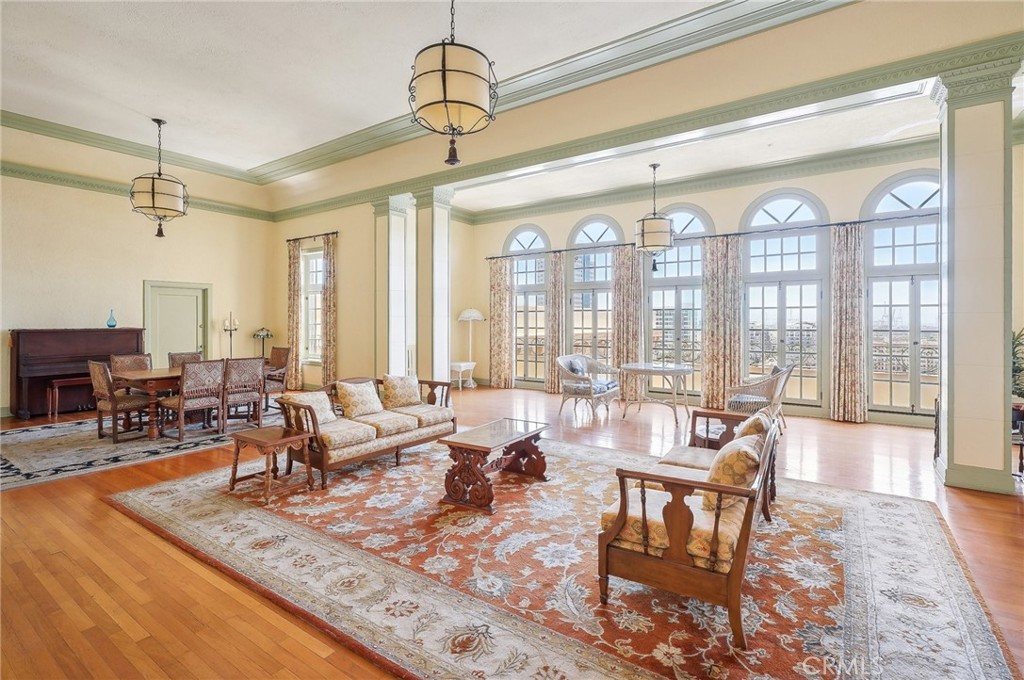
(271, 441)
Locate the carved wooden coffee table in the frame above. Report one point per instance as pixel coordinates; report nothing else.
(466, 483)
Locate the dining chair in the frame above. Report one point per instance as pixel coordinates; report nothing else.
(201, 389)
(274, 373)
(129, 362)
(175, 359)
(113, 401)
(243, 386)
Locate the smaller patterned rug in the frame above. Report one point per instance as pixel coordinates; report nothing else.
(39, 454)
(841, 583)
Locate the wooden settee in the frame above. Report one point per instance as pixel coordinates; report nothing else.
(660, 532)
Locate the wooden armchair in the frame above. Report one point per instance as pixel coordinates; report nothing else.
(113, 401)
(663, 533)
(275, 373)
(243, 386)
(129, 362)
(758, 392)
(175, 359)
(201, 389)
(578, 375)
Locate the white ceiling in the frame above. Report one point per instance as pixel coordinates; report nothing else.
(246, 83)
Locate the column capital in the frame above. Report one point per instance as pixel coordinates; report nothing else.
(391, 204)
(434, 195)
(977, 84)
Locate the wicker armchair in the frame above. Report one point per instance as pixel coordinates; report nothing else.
(274, 373)
(113, 401)
(202, 386)
(578, 375)
(759, 392)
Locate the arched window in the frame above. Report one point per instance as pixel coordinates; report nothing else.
(590, 293)
(529, 281)
(675, 301)
(785, 274)
(902, 267)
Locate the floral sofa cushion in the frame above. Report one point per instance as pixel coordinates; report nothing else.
(400, 390)
(358, 399)
(698, 546)
(690, 457)
(388, 422)
(735, 464)
(426, 414)
(344, 432)
(320, 402)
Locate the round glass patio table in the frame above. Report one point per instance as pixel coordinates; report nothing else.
(674, 374)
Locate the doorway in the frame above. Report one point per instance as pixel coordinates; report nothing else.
(175, 317)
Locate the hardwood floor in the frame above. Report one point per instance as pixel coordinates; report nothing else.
(88, 593)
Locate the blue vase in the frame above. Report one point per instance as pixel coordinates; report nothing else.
(111, 321)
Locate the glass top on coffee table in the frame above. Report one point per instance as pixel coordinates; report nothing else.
(494, 435)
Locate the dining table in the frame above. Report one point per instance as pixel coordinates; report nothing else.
(151, 381)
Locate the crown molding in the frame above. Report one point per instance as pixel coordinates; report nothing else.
(37, 126)
(103, 186)
(920, 149)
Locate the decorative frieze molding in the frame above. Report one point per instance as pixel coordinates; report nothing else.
(976, 84)
(439, 195)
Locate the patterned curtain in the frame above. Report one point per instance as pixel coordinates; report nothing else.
(293, 378)
(627, 311)
(849, 392)
(723, 304)
(501, 323)
(329, 346)
(554, 322)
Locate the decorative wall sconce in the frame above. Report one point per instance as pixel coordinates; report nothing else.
(231, 327)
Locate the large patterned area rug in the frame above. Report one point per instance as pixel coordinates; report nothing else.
(841, 584)
(39, 454)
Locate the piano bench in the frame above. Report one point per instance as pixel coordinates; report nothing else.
(53, 392)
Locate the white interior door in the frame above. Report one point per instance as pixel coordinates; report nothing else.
(175, 320)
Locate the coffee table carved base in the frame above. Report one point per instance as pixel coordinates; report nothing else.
(466, 483)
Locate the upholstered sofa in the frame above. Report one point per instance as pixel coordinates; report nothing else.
(685, 524)
(360, 418)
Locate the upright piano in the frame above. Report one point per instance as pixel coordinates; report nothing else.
(40, 355)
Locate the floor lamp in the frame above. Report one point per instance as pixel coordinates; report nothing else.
(471, 315)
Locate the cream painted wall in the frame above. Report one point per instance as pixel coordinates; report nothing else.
(843, 194)
(1017, 196)
(71, 255)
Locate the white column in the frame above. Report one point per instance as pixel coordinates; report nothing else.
(976, 270)
(433, 227)
(394, 247)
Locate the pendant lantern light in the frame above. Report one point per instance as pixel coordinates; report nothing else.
(159, 197)
(654, 230)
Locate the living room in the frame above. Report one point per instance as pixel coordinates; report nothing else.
(728, 143)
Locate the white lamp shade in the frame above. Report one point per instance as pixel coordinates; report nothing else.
(159, 196)
(451, 89)
(471, 315)
(654, 233)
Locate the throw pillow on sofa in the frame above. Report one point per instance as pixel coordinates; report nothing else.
(759, 423)
(735, 464)
(358, 399)
(400, 390)
(320, 402)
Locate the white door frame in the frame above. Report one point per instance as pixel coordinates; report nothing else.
(148, 290)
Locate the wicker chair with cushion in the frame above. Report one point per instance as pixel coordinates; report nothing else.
(112, 401)
(175, 359)
(758, 392)
(274, 373)
(243, 386)
(201, 389)
(578, 374)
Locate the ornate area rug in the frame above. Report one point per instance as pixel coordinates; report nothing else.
(38, 454)
(841, 584)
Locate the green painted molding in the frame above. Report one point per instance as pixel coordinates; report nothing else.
(5, 411)
(67, 133)
(981, 479)
(103, 186)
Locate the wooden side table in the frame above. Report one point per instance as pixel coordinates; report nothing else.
(271, 441)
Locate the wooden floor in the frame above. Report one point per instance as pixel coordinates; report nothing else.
(88, 593)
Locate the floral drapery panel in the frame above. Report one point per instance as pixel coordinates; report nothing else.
(627, 311)
(501, 323)
(722, 289)
(849, 391)
(329, 327)
(554, 322)
(293, 377)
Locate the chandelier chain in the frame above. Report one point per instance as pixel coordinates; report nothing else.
(159, 149)
(453, 20)
(654, 187)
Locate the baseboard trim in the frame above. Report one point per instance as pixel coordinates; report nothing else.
(980, 479)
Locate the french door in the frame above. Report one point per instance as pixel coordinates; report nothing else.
(675, 328)
(905, 351)
(530, 334)
(592, 323)
(783, 327)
